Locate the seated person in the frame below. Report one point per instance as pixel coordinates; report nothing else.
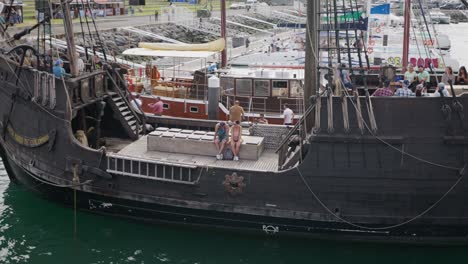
(387, 90)
(58, 69)
(220, 138)
(462, 77)
(345, 78)
(411, 76)
(262, 119)
(448, 77)
(404, 91)
(423, 77)
(441, 91)
(236, 140)
(421, 91)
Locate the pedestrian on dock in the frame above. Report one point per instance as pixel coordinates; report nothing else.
(156, 15)
(157, 107)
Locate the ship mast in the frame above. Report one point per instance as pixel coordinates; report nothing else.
(311, 82)
(223, 34)
(69, 35)
(406, 34)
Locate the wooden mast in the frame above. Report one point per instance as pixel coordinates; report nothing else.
(311, 81)
(223, 34)
(406, 34)
(69, 36)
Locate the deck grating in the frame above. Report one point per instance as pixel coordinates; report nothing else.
(268, 161)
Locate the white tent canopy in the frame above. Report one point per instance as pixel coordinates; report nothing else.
(168, 53)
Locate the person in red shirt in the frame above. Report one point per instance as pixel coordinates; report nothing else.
(157, 107)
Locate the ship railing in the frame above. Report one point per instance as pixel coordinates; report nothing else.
(264, 105)
(121, 88)
(89, 87)
(153, 170)
(180, 89)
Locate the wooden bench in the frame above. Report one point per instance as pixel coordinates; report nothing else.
(199, 143)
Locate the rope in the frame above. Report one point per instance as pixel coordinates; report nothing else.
(461, 175)
(358, 108)
(331, 129)
(344, 107)
(318, 111)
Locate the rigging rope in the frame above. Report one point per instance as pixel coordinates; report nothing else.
(372, 133)
(317, 198)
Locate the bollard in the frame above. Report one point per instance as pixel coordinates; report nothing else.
(213, 98)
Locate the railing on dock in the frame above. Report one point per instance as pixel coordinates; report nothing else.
(153, 170)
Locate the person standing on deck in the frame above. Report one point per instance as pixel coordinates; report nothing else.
(58, 69)
(236, 139)
(288, 115)
(157, 107)
(236, 112)
(220, 138)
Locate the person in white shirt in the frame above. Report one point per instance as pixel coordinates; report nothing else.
(79, 64)
(441, 91)
(136, 104)
(288, 115)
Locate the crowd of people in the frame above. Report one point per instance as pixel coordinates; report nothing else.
(418, 83)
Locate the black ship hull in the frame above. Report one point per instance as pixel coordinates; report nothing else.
(231, 222)
(349, 185)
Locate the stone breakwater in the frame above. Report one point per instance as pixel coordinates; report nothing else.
(117, 40)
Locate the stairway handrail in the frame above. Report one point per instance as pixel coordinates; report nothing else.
(125, 99)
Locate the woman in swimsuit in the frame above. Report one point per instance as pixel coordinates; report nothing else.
(236, 140)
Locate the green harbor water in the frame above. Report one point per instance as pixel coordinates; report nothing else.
(34, 230)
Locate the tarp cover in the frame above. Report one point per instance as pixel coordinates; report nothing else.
(168, 53)
(217, 45)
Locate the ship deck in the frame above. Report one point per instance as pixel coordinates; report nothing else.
(268, 161)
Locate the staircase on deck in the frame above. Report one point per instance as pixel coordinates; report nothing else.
(132, 122)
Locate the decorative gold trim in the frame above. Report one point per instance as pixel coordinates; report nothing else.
(27, 141)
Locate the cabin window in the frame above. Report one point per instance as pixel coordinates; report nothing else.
(165, 106)
(296, 88)
(194, 109)
(227, 85)
(262, 88)
(244, 87)
(279, 88)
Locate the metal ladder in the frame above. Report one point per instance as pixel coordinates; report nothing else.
(152, 169)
